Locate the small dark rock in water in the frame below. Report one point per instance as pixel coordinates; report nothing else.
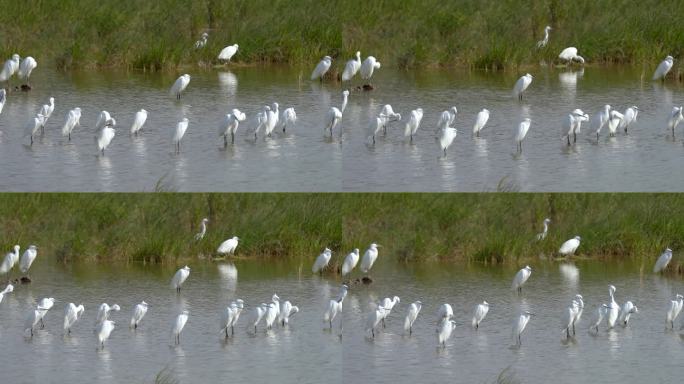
(25, 280)
(368, 87)
(25, 87)
(366, 280)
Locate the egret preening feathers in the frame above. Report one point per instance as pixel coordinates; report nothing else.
(139, 312)
(103, 312)
(180, 277)
(630, 117)
(388, 304)
(374, 319)
(479, 314)
(104, 330)
(572, 123)
(446, 327)
(180, 85)
(73, 118)
(286, 310)
(601, 312)
(616, 119)
(414, 123)
(105, 136)
(25, 68)
(138, 121)
(663, 68)
(72, 313)
(663, 261)
(600, 119)
(322, 68)
(368, 66)
(230, 124)
(613, 308)
(413, 311)
(46, 110)
(628, 308)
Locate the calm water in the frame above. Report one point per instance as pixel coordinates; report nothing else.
(304, 352)
(305, 160)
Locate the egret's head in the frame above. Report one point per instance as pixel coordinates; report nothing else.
(236, 238)
(668, 250)
(16, 248)
(611, 288)
(680, 297)
(669, 58)
(186, 268)
(485, 303)
(528, 75)
(185, 312)
(345, 92)
(356, 250)
(16, 57)
(327, 58)
(418, 302)
(358, 54)
(143, 303)
(116, 307)
(547, 220)
(548, 28)
(205, 35)
(236, 46)
(275, 297)
(578, 238)
(527, 267)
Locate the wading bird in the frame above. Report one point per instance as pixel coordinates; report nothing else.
(105, 136)
(480, 121)
(103, 312)
(3, 98)
(445, 311)
(45, 304)
(139, 312)
(9, 288)
(613, 308)
(10, 68)
(228, 52)
(542, 235)
(601, 312)
(411, 316)
(663, 68)
(72, 313)
(580, 303)
(178, 134)
(480, 313)
(335, 306)
(257, 314)
(34, 317)
(570, 246)
(628, 308)
(228, 246)
(367, 67)
(8, 262)
(46, 110)
(521, 278)
(600, 119)
(180, 85)
(322, 262)
(521, 132)
(352, 67)
(388, 116)
(630, 117)
(104, 330)
(446, 327)
(388, 304)
(229, 125)
(321, 68)
(262, 121)
(28, 64)
(202, 42)
(663, 261)
(414, 123)
(73, 118)
(178, 325)
(542, 43)
(675, 118)
(568, 55)
(335, 115)
(34, 124)
(519, 326)
(369, 258)
(272, 312)
(616, 119)
(374, 319)
(286, 310)
(203, 229)
(521, 85)
(446, 138)
(288, 118)
(27, 259)
(350, 262)
(138, 121)
(673, 310)
(180, 277)
(571, 124)
(568, 319)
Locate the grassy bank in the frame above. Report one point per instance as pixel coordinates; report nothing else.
(486, 228)
(490, 34)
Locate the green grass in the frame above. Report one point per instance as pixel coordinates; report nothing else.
(491, 228)
(486, 34)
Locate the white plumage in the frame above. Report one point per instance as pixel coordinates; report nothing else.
(10, 68)
(178, 325)
(663, 68)
(519, 326)
(228, 246)
(374, 319)
(139, 312)
(286, 310)
(368, 66)
(72, 313)
(521, 132)
(521, 85)
(350, 262)
(479, 314)
(413, 124)
(446, 327)
(180, 277)
(28, 64)
(369, 258)
(674, 309)
(352, 67)
(322, 261)
(480, 121)
(180, 85)
(521, 278)
(27, 258)
(570, 246)
(230, 125)
(412, 315)
(138, 121)
(228, 52)
(321, 68)
(663, 261)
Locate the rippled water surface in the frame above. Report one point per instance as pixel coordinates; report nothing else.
(305, 352)
(304, 159)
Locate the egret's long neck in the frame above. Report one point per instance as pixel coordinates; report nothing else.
(546, 227)
(344, 103)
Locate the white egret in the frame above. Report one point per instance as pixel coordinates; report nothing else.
(673, 310)
(9, 288)
(46, 110)
(321, 68)
(480, 121)
(180, 85)
(28, 64)
(542, 43)
(628, 308)
(675, 118)
(375, 125)
(446, 138)
(335, 306)
(104, 330)
(3, 98)
(521, 132)
(203, 229)
(272, 312)
(571, 124)
(388, 116)
(369, 258)
(521, 278)
(286, 310)
(519, 326)
(630, 117)
(27, 259)
(335, 115)
(139, 312)
(228, 52)
(288, 118)
(179, 324)
(262, 120)
(180, 277)
(202, 42)
(412, 315)
(598, 317)
(479, 314)
(240, 305)
(542, 235)
(663, 261)
(613, 308)
(45, 304)
(374, 319)
(72, 313)
(73, 119)
(568, 319)
(138, 121)
(600, 119)
(663, 68)
(322, 262)
(103, 312)
(388, 304)
(257, 314)
(33, 125)
(32, 320)
(228, 246)
(104, 138)
(521, 85)
(352, 67)
(8, 262)
(446, 327)
(368, 66)
(272, 118)
(445, 311)
(350, 262)
(227, 316)
(570, 246)
(414, 123)
(616, 119)
(580, 309)
(230, 124)
(179, 132)
(568, 55)
(10, 68)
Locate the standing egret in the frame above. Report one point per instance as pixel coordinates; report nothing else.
(350, 262)
(257, 314)
(180, 85)
(411, 315)
(32, 320)
(272, 118)
(674, 309)
(286, 310)
(414, 122)
(519, 326)
(180, 277)
(675, 118)
(598, 318)
(8, 262)
(521, 132)
(571, 124)
(10, 68)
(203, 229)
(139, 312)
(570, 246)
(600, 119)
(568, 55)
(179, 324)
(388, 116)
(321, 68)
(9, 288)
(446, 138)
(542, 235)
(335, 306)
(663, 68)
(369, 65)
(28, 64)
(580, 309)
(322, 262)
(138, 121)
(630, 117)
(521, 278)
(3, 98)
(228, 52)
(103, 312)
(178, 134)
(240, 305)
(374, 319)
(45, 304)
(104, 138)
(72, 313)
(446, 327)
(445, 311)
(388, 304)
(369, 258)
(375, 125)
(480, 121)
(227, 318)
(228, 246)
(202, 42)
(663, 261)
(33, 125)
(104, 330)
(628, 308)
(542, 43)
(46, 110)
(568, 319)
(613, 307)
(479, 314)
(72, 120)
(335, 115)
(616, 119)
(230, 124)
(352, 67)
(262, 120)
(521, 85)
(27, 259)
(288, 118)
(272, 312)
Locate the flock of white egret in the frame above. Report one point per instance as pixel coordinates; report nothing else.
(271, 118)
(275, 311)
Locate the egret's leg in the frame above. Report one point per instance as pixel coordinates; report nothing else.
(383, 322)
(573, 329)
(225, 141)
(232, 137)
(69, 136)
